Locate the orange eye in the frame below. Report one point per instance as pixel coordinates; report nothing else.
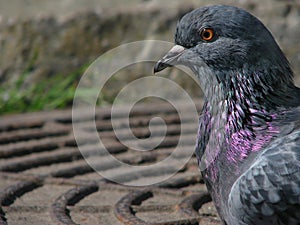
(207, 34)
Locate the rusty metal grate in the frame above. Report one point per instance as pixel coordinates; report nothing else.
(45, 180)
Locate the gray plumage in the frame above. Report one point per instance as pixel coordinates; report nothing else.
(248, 145)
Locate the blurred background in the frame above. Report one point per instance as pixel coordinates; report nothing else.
(47, 45)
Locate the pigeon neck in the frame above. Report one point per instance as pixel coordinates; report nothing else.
(239, 118)
(241, 109)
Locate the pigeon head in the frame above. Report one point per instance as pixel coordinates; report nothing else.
(226, 46)
(226, 37)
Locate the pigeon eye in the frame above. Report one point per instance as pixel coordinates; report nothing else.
(207, 34)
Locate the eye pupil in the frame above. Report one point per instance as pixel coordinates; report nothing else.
(206, 34)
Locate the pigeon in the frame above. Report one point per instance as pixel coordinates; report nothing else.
(248, 145)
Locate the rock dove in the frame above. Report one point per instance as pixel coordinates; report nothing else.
(248, 146)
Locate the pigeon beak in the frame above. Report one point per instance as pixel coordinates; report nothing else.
(169, 59)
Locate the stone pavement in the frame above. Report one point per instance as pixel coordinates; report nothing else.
(45, 180)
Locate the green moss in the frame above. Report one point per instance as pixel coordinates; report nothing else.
(54, 93)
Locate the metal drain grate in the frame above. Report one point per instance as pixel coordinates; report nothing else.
(45, 180)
